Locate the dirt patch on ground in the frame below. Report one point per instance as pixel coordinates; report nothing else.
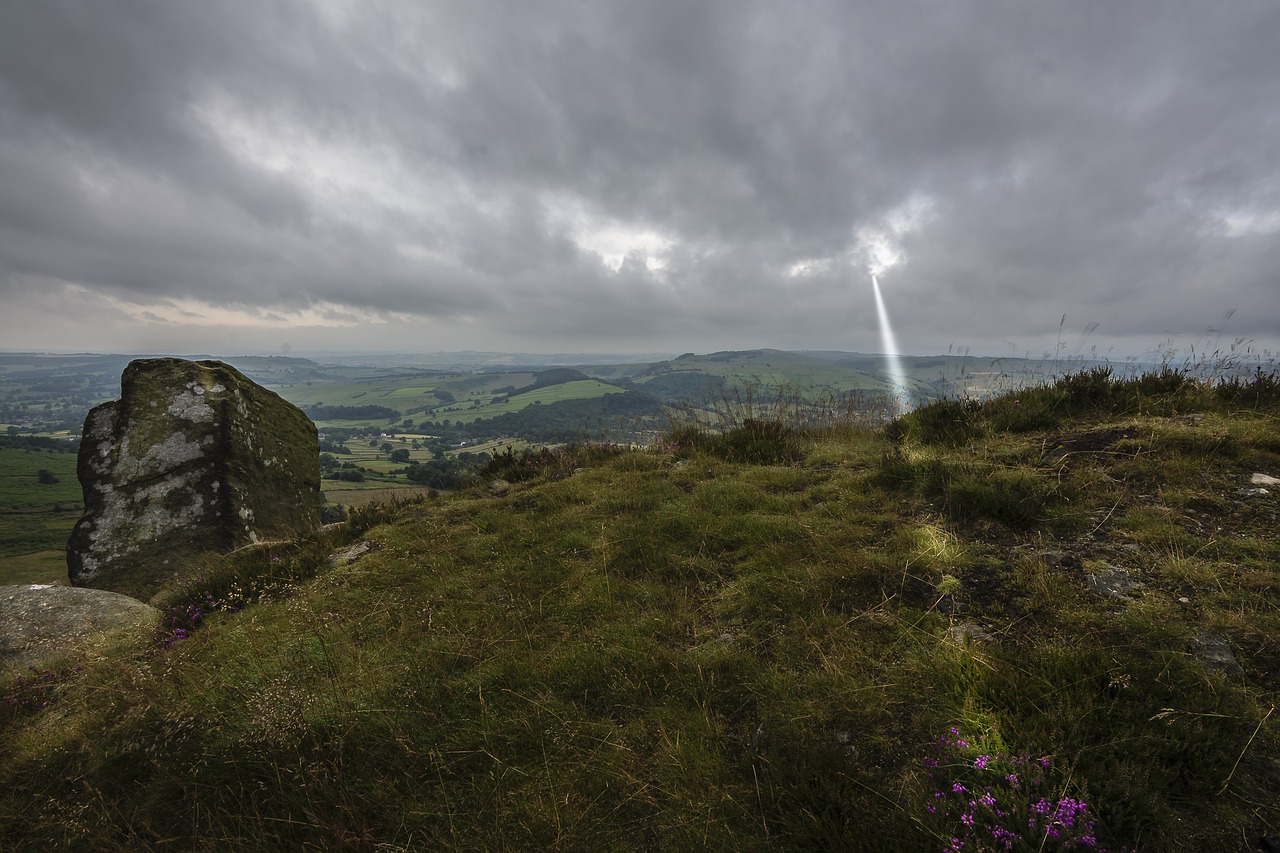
(1089, 441)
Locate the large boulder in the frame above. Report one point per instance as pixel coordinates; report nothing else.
(194, 459)
(40, 621)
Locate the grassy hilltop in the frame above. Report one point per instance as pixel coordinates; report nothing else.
(1050, 616)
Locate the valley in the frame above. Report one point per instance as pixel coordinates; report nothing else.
(397, 426)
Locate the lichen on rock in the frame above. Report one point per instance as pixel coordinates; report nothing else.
(193, 459)
(39, 621)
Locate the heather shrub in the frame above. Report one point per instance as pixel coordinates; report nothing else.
(754, 442)
(982, 797)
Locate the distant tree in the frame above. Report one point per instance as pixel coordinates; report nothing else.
(439, 475)
(386, 447)
(373, 442)
(400, 455)
(329, 513)
(46, 477)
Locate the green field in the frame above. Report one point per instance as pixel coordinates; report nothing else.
(496, 446)
(36, 519)
(375, 460)
(412, 396)
(29, 531)
(20, 487)
(40, 567)
(770, 370)
(396, 395)
(580, 389)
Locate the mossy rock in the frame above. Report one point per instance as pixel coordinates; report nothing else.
(193, 459)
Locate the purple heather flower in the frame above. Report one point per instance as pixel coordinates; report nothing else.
(982, 761)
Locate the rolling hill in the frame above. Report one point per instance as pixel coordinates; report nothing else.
(1050, 619)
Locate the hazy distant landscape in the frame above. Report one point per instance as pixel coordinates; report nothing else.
(48, 394)
(382, 416)
(446, 406)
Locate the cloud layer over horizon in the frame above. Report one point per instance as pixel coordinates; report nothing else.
(614, 176)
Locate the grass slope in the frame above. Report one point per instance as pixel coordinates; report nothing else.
(752, 640)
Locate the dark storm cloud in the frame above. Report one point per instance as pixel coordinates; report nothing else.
(658, 172)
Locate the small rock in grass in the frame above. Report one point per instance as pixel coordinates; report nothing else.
(964, 633)
(349, 555)
(1057, 559)
(1113, 583)
(1216, 653)
(1264, 480)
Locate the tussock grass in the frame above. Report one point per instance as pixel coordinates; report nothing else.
(743, 639)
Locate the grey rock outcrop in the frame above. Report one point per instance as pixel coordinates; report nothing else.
(1114, 583)
(1215, 651)
(193, 459)
(39, 621)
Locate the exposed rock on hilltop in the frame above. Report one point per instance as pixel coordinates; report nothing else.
(39, 621)
(193, 459)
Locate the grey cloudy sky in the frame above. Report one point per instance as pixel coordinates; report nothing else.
(259, 175)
